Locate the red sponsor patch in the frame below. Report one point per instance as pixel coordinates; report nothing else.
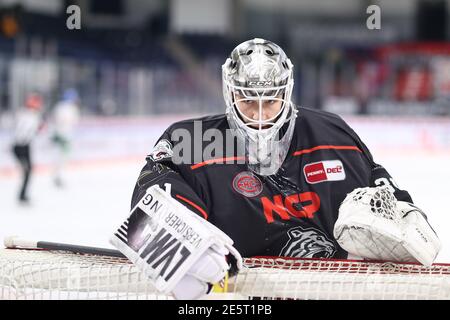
(315, 172)
(328, 170)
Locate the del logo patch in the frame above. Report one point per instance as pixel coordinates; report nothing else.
(330, 170)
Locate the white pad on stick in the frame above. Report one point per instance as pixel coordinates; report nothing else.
(17, 242)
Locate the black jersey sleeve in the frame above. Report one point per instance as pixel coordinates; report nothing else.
(161, 170)
(379, 175)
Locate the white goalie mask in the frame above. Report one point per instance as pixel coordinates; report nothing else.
(259, 72)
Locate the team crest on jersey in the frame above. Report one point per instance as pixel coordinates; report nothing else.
(247, 184)
(162, 150)
(308, 243)
(330, 170)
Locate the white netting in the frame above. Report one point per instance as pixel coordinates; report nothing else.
(381, 201)
(26, 274)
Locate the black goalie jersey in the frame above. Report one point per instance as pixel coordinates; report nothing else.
(291, 213)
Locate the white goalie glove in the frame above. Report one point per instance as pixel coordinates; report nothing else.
(210, 268)
(373, 224)
(180, 252)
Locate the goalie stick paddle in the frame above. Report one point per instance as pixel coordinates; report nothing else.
(16, 242)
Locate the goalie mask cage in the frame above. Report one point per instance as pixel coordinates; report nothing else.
(42, 274)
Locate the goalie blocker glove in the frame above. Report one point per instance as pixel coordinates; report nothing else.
(373, 224)
(179, 251)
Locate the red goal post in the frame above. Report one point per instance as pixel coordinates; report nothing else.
(52, 274)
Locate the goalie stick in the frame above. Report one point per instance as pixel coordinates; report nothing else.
(15, 242)
(12, 242)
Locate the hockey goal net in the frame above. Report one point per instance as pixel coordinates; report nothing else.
(42, 274)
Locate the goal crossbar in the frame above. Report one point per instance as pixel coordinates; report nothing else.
(54, 274)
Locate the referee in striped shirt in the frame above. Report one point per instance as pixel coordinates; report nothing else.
(28, 122)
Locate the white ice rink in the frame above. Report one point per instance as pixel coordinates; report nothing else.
(98, 191)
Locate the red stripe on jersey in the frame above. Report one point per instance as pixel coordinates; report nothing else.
(205, 215)
(300, 152)
(210, 161)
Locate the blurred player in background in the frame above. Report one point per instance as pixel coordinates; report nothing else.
(306, 186)
(28, 122)
(64, 119)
